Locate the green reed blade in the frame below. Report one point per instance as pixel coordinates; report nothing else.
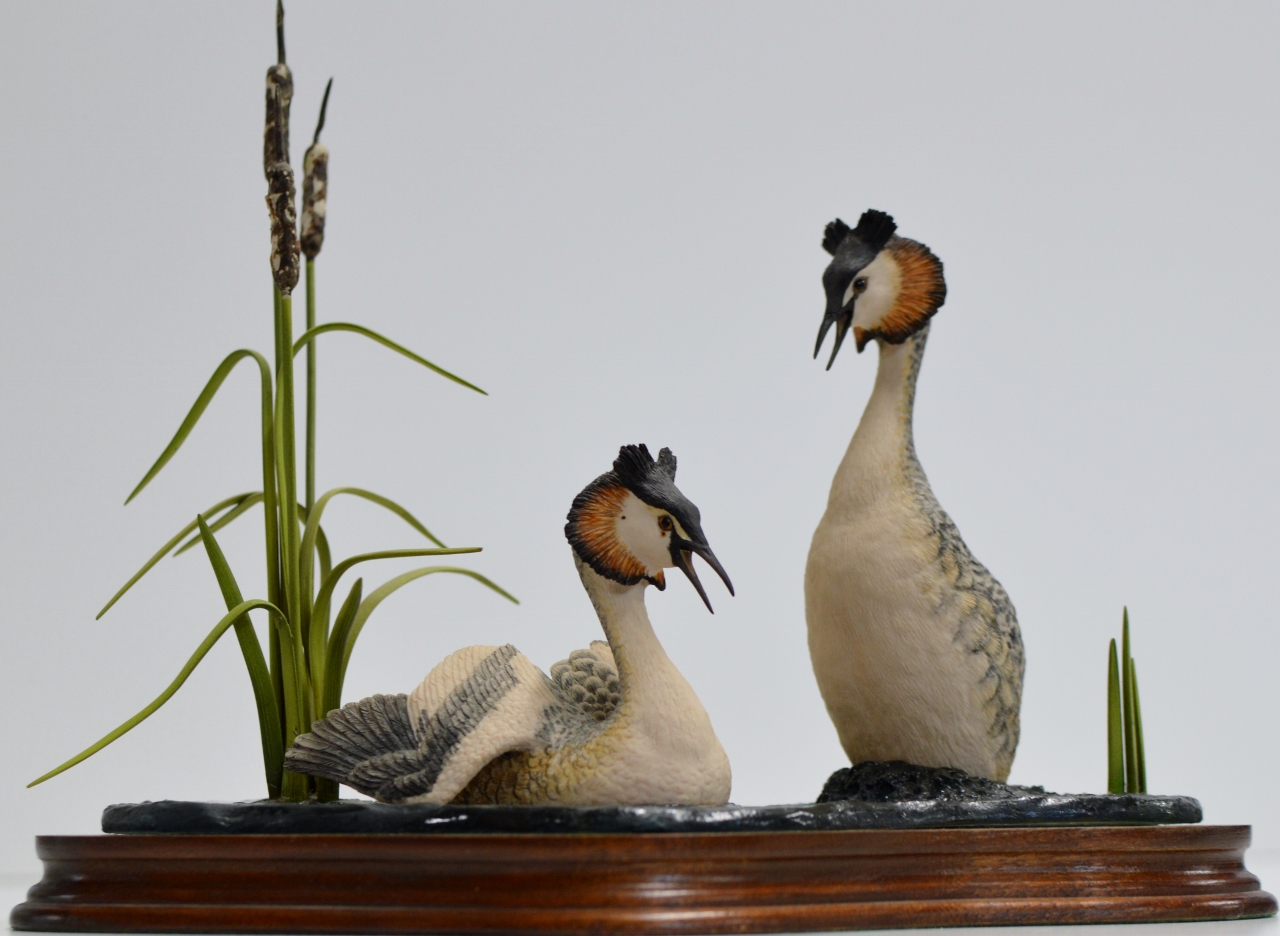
(286, 480)
(326, 566)
(313, 519)
(332, 685)
(318, 619)
(1115, 726)
(218, 630)
(310, 535)
(326, 560)
(225, 520)
(1137, 729)
(330, 581)
(197, 410)
(311, 333)
(163, 550)
(378, 594)
(1126, 688)
(263, 693)
(320, 645)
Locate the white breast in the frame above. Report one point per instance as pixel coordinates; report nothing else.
(883, 639)
(887, 624)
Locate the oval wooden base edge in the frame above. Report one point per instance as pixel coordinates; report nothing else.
(624, 884)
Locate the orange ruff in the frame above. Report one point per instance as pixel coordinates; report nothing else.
(595, 531)
(922, 292)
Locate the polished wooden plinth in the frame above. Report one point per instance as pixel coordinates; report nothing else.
(650, 883)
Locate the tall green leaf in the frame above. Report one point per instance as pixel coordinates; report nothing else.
(1137, 729)
(332, 680)
(218, 630)
(1130, 731)
(311, 533)
(263, 693)
(225, 520)
(160, 553)
(197, 410)
(310, 335)
(318, 640)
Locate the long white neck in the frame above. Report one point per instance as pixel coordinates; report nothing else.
(882, 453)
(625, 620)
(656, 698)
(666, 750)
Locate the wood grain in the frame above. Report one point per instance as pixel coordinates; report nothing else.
(659, 883)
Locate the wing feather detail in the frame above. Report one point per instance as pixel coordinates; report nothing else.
(478, 703)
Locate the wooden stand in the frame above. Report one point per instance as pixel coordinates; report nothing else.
(663, 883)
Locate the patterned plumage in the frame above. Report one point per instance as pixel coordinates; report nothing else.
(616, 723)
(915, 645)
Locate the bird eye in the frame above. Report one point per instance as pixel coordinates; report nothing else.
(860, 283)
(665, 524)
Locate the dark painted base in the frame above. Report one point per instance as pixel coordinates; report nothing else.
(627, 883)
(361, 816)
(870, 795)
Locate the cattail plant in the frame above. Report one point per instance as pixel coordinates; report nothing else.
(1126, 756)
(301, 677)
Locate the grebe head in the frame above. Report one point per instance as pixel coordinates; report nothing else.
(632, 522)
(880, 285)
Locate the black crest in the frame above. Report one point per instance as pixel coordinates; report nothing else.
(874, 229)
(834, 235)
(654, 482)
(635, 467)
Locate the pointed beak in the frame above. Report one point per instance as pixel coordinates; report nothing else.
(842, 318)
(682, 551)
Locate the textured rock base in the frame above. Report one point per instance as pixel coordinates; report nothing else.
(900, 782)
(893, 795)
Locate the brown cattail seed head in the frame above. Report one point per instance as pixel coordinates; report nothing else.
(315, 184)
(275, 140)
(284, 232)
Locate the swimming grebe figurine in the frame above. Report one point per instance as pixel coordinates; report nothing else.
(613, 725)
(915, 645)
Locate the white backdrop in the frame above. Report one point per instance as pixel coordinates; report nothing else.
(609, 217)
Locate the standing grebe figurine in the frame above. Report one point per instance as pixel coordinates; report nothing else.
(614, 725)
(915, 645)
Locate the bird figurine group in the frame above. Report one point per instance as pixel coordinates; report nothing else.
(914, 644)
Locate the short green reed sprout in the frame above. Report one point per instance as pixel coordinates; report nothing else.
(301, 678)
(1126, 756)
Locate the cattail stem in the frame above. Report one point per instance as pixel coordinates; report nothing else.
(275, 590)
(311, 388)
(293, 657)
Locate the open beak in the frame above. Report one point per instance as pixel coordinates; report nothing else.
(682, 551)
(842, 318)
